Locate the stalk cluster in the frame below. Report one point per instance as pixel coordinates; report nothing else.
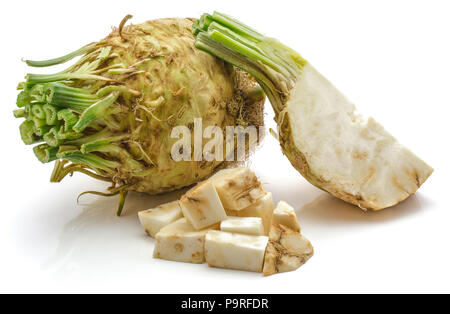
(69, 115)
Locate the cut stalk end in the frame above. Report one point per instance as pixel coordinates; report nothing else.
(275, 66)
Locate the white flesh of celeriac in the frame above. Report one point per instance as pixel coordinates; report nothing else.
(181, 242)
(235, 251)
(238, 188)
(262, 208)
(201, 206)
(153, 220)
(284, 214)
(243, 225)
(353, 158)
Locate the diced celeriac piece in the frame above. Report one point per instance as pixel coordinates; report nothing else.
(181, 242)
(237, 188)
(284, 214)
(287, 250)
(263, 208)
(201, 206)
(153, 220)
(235, 251)
(243, 225)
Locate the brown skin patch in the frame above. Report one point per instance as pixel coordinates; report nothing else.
(369, 176)
(245, 194)
(179, 247)
(398, 185)
(193, 200)
(414, 176)
(359, 155)
(197, 256)
(194, 203)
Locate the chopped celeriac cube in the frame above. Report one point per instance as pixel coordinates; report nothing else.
(284, 214)
(153, 220)
(235, 251)
(201, 206)
(238, 188)
(262, 208)
(181, 242)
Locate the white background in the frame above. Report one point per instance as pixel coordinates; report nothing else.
(392, 58)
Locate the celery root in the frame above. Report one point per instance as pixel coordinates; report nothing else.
(110, 115)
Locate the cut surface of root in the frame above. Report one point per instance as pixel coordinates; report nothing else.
(333, 147)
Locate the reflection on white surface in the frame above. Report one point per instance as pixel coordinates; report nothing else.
(97, 241)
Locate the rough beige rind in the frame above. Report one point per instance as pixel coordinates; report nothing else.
(176, 83)
(286, 251)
